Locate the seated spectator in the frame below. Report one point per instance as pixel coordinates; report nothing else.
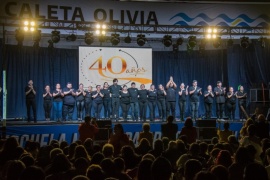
(108, 167)
(120, 169)
(144, 147)
(81, 164)
(169, 129)
(130, 157)
(28, 160)
(161, 169)
(144, 169)
(118, 139)
(89, 146)
(192, 167)
(214, 140)
(255, 171)
(220, 172)
(203, 151)
(233, 142)
(267, 154)
(165, 141)
(262, 127)
(14, 169)
(32, 173)
(80, 151)
(8, 151)
(148, 156)
(95, 172)
(189, 131)
(158, 148)
(108, 151)
(146, 134)
(80, 177)
(171, 154)
(88, 129)
(202, 175)
(243, 131)
(224, 158)
(97, 158)
(71, 150)
(63, 145)
(223, 135)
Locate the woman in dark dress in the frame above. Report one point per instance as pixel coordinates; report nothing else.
(230, 103)
(98, 101)
(125, 101)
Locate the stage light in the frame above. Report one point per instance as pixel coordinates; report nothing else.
(179, 41)
(101, 29)
(127, 39)
(217, 42)
(71, 37)
(36, 38)
(104, 26)
(262, 41)
(167, 40)
(29, 25)
(115, 39)
(209, 30)
(211, 33)
(50, 44)
(55, 37)
(141, 39)
(229, 42)
(244, 42)
(19, 35)
(89, 38)
(192, 42)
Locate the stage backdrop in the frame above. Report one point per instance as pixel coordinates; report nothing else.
(102, 64)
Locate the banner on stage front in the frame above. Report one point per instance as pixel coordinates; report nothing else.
(102, 64)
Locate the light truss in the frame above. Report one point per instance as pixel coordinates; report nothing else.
(137, 28)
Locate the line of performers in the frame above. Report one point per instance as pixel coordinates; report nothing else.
(112, 97)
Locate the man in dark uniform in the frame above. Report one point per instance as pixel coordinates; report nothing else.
(68, 102)
(30, 94)
(171, 97)
(241, 95)
(133, 92)
(220, 93)
(194, 96)
(115, 94)
(161, 94)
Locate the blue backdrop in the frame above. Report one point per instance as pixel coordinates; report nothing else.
(44, 66)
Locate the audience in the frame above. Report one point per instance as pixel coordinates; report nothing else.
(183, 159)
(223, 135)
(189, 131)
(88, 129)
(169, 129)
(146, 134)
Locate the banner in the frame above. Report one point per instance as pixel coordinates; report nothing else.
(102, 64)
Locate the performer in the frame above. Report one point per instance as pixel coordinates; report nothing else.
(241, 95)
(133, 91)
(208, 101)
(47, 102)
(69, 102)
(183, 92)
(125, 101)
(107, 102)
(230, 103)
(58, 102)
(220, 93)
(194, 96)
(80, 102)
(152, 100)
(30, 94)
(161, 95)
(142, 102)
(88, 101)
(171, 97)
(98, 101)
(115, 93)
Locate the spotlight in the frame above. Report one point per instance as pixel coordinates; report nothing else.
(141, 39)
(71, 37)
(101, 29)
(89, 38)
(115, 39)
(167, 40)
(192, 42)
(244, 42)
(211, 33)
(229, 42)
(55, 37)
(19, 35)
(262, 41)
(36, 38)
(217, 42)
(29, 26)
(50, 43)
(179, 41)
(127, 39)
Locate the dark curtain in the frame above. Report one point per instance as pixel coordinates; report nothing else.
(233, 66)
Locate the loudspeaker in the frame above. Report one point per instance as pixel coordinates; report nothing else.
(206, 123)
(206, 133)
(105, 129)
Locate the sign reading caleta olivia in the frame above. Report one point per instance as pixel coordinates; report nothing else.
(102, 64)
(143, 13)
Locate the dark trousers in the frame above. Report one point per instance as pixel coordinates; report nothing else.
(88, 108)
(231, 110)
(182, 108)
(143, 107)
(134, 110)
(107, 107)
(194, 106)
(80, 108)
(67, 111)
(208, 110)
(125, 108)
(161, 103)
(220, 110)
(241, 114)
(115, 107)
(152, 108)
(57, 108)
(171, 108)
(97, 108)
(47, 105)
(31, 103)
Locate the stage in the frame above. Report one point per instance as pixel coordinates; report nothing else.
(44, 131)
